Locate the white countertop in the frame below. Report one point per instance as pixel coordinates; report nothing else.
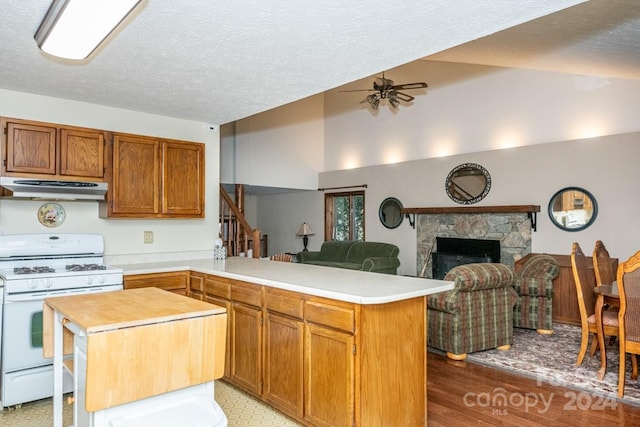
(337, 283)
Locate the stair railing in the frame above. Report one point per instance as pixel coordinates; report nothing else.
(236, 233)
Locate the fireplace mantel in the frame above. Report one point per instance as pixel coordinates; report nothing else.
(530, 210)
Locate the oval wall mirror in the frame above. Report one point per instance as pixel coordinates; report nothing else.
(573, 209)
(390, 212)
(468, 183)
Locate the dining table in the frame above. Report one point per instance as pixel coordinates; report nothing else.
(606, 295)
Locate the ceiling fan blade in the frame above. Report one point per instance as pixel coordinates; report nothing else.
(358, 90)
(418, 85)
(404, 97)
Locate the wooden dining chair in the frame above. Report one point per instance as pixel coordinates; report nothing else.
(281, 257)
(602, 265)
(587, 304)
(628, 279)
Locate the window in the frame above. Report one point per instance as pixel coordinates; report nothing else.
(344, 216)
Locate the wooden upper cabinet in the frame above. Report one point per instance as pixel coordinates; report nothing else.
(81, 153)
(183, 178)
(50, 151)
(135, 184)
(155, 178)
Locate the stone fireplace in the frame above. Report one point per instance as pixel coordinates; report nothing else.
(512, 230)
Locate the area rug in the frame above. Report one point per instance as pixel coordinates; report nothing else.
(552, 359)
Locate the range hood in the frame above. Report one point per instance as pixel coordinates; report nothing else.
(54, 190)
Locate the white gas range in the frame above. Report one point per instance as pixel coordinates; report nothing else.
(34, 267)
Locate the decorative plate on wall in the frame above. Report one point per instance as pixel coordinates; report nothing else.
(51, 214)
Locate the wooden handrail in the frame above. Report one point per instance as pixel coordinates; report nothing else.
(228, 202)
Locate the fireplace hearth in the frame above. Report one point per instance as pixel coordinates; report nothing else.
(452, 252)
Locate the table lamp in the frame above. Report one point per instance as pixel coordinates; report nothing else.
(305, 231)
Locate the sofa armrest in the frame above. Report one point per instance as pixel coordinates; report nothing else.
(380, 263)
(533, 286)
(306, 256)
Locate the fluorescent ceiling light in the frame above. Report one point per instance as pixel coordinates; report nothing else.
(73, 29)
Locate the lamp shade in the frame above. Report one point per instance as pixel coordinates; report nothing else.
(304, 230)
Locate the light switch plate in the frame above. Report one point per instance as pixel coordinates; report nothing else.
(148, 236)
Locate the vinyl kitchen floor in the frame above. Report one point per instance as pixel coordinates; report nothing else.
(241, 411)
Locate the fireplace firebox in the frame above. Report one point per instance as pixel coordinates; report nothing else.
(452, 252)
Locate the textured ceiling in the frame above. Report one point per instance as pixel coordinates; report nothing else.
(219, 61)
(597, 38)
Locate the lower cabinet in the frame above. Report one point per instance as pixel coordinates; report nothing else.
(321, 361)
(175, 281)
(246, 347)
(207, 288)
(284, 362)
(329, 376)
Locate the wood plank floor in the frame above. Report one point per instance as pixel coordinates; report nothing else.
(465, 394)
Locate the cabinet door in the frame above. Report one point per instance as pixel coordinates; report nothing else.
(136, 175)
(329, 376)
(283, 363)
(196, 286)
(183, 178)
(246, 347)
(31, 148)
(81, 153)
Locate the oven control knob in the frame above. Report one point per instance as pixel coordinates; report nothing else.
(33, 284)
(101, 279)
(89, 280)
(48, 283)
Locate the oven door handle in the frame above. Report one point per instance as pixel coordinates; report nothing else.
(34, 296)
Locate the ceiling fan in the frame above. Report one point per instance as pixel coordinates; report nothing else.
(385, 89)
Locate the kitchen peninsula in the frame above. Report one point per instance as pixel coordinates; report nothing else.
(326, 346)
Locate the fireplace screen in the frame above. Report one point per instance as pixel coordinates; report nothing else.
(452, 252)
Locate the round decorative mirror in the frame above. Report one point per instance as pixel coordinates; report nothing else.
(468, 183)
(389, 212)
(573, 209)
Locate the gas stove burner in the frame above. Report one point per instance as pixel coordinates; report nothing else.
(33, 270)
(85, 267)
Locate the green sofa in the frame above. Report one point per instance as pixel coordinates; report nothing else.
(354, 255)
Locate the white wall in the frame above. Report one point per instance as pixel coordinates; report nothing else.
(481, 112)
(473, 108)
(279, 216)
(282, 147)
(122, 236)
(606, 166)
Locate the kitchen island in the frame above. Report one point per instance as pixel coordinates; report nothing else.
(326, 346)
(135, 354)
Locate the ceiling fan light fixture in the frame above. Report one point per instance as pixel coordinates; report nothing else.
(394, 102)
(73, 29)
(375, 102)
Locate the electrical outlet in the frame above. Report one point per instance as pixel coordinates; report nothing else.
(148, 236)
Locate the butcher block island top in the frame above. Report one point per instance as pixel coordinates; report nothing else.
(135, 307)
(335, 283)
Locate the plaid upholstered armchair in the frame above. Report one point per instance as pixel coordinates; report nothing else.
(534, 285)
(477, 314)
